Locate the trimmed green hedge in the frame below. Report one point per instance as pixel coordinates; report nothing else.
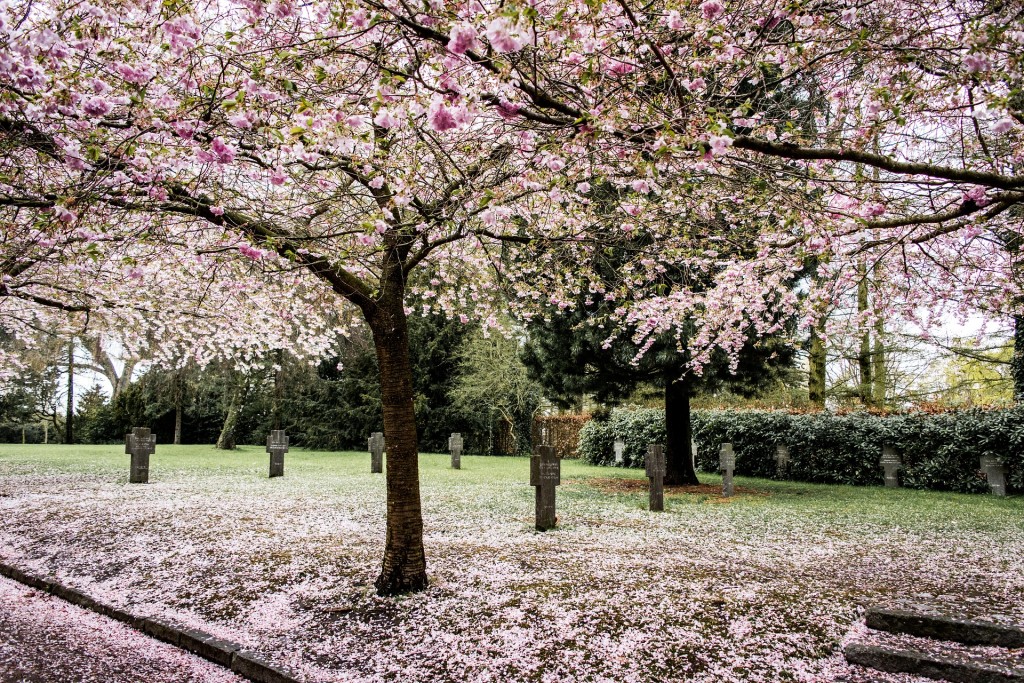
(638, 428)
(939, 452)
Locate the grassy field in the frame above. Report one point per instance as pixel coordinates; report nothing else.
(760, 587)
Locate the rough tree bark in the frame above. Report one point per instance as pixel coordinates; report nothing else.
(678, 456)
(276, 408)
(104, 364)
(226, 440)
(178, 391)
(816, 360)
(69, 419)
(879, 375)
(1017, 360)
(404, 568)
(864, 353)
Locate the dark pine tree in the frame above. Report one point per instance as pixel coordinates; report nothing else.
(568, 357)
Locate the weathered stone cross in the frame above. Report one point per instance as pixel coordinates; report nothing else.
(277, 446)
(656, 473)
(140, 444)
(995, 472)
(781, 460)
(455, 445)
(376, 442)
(891, 463)
(726, 464)
(545, 475)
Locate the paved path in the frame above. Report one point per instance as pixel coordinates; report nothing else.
(46, 640)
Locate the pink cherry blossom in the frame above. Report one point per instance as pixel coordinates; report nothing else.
(65, 215)
(359, 19)
(385, 119)
(250, 252)
(1003, 125)
(976, 63)
(874, 209)
(441, 118)
(719, 144)
(225, 152)
(712, 9)
(500, 35)
(96, 107)
(619, 68)
(463, 38)
(978, 195)
(555, 163)
(508, 110)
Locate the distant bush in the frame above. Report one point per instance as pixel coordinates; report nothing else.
(939, 451)
(563, 432)
(31, 433)
(638, 428)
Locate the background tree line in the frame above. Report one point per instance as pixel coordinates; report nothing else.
(464, 381)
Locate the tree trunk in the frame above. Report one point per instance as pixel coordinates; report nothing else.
(864, 354)
(404, 568)
(226, 440)
(69, 420)
(124, 379)
(678, 456)
(177, 407)
(816, 359)
(1017, 360)
(879, 375)
(104, 364)
(276, 408)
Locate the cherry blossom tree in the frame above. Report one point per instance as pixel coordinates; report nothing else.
(442, 157)
(270, 138)
(903, 121)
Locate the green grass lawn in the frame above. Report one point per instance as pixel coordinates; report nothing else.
(175, 463)
(761, 586)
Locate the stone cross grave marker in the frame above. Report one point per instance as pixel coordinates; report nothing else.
(726, 464)
(455, 444)
(376, 442)
(995, 471)
(620, 448)
(781, 460)
(140, 444)
(656, 473)
(891, 463)
(545, 475)
(277, 446)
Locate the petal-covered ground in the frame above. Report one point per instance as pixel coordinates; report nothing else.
(761, 587)
(45, 640)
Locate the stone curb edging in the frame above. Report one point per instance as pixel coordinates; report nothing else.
(966, 631)
(223, 652)
(927, 665)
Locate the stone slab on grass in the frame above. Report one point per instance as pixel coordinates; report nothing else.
(216, 650)
(44, 639)
(930, 665)
(253, 667)
(967, 631)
